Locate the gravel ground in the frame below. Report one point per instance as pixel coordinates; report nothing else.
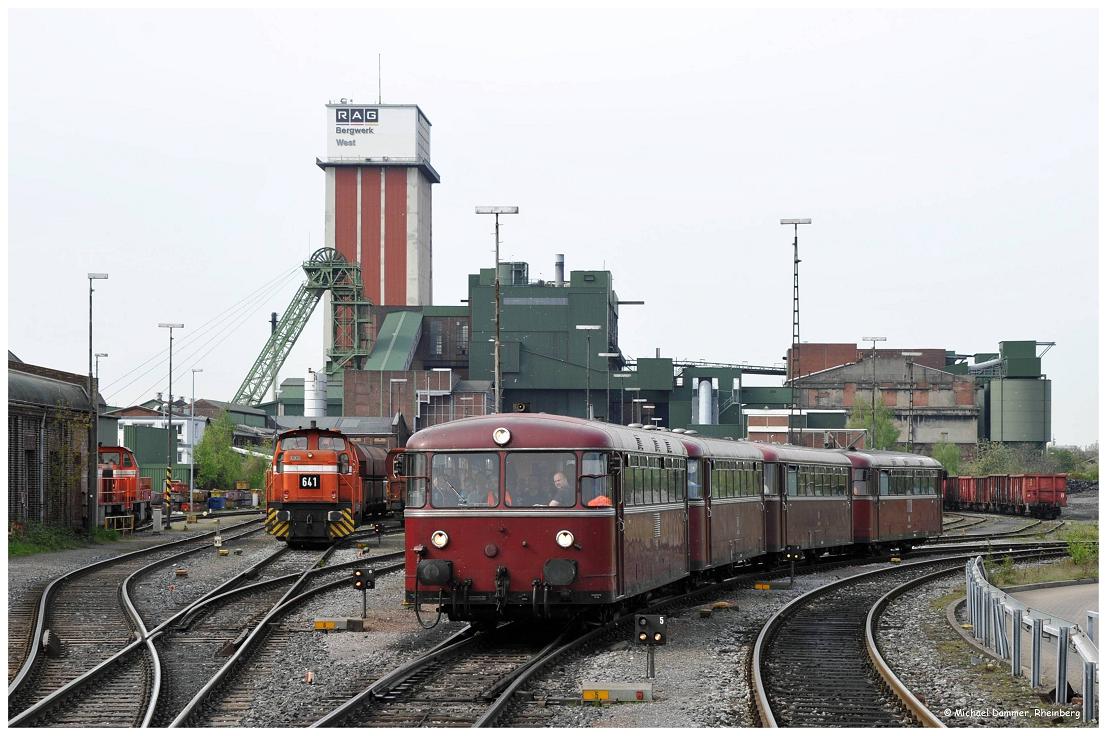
(957, 684)
(1083, 505)
(28, 575)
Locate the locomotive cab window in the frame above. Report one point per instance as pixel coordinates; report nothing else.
(294, 443)
(127, 461)
(544, 478)
(331, 443)
(465, 480)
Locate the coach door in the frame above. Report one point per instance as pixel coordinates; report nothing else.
(774, 503)
(620, 502)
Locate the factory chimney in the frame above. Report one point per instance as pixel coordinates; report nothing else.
(559, 269)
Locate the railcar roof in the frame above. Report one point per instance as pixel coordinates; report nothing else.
(797, 454)
(543, 431)
(890, 459)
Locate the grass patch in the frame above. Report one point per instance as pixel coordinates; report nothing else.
(1003, 574)
(35, 539)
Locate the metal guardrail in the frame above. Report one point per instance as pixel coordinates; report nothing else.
(991, 608)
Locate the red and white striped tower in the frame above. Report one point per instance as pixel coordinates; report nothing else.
(378, 197)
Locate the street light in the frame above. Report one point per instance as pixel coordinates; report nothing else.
(794, 364)
(98, 356)
(874, 341)
(192, 446)
(391, 382)
(607, 372)
(497, 211)
(167, 499)
(622, 395)
(93, 443)
(588, 330)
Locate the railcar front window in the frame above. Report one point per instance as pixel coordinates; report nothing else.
(543, 478)
(595, 483)
(413, 469)
(465, 480)
(294, 443)
(109, 458)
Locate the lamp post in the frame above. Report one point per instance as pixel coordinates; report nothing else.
(607, 372)
(497, 211)
(192, 445)
(622, 395)
(910, 355)
(98, 356)
(93, 443)
(167, 499)
(793, 365)
(649, 408)
(874, 341)
(392, 382)
(588, 330)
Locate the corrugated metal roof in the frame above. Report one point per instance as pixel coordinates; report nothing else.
(31, 389)
(348, 425)
(396, 342)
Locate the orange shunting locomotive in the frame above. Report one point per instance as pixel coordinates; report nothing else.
(322, 485)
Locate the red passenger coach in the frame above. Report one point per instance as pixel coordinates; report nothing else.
(515, 515)
(896, 498)
(807, 503)
(321, 486)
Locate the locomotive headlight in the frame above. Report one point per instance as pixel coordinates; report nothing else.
(440, 539)
(501, 436)
(565, 539)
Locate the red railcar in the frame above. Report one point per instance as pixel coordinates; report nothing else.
(896, 498)
(123, 498)
(807, 503)
(322, 485)
(517, 515)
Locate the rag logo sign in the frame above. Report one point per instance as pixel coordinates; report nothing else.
(356, 115)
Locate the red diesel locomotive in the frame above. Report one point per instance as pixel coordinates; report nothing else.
(123, 500)
(516, 515)
(1038, 495)
(321, 486)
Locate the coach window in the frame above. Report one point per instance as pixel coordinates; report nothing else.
(792, 483)
(770, 479)
(465, 480)
(695, 490)
(414, 470)
(595, 483)
(885, 483)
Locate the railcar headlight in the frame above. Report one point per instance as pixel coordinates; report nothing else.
(565, 539)
(440, 539)
(501, 436)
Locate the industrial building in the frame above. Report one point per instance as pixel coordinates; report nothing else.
(48, 437)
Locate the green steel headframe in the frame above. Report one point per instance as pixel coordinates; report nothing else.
(326, 270)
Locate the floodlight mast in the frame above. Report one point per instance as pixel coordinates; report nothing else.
(796, 411)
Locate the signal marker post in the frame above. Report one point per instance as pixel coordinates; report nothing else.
(364, 579)
(651, 630)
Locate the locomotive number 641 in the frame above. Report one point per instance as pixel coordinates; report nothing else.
(309, 481)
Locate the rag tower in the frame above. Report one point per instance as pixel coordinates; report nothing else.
(378, 198)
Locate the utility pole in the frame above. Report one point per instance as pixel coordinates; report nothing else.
(497, 211)
(796, 411)
(911, 355)
(167, 494)
(872, 436)
(93, 441)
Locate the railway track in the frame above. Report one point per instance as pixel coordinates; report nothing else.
(87, 619)
(815, 664)
(90, 693)
(1037, 526)
(227, 697)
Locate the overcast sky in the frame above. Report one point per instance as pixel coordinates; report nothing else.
(948, 160)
